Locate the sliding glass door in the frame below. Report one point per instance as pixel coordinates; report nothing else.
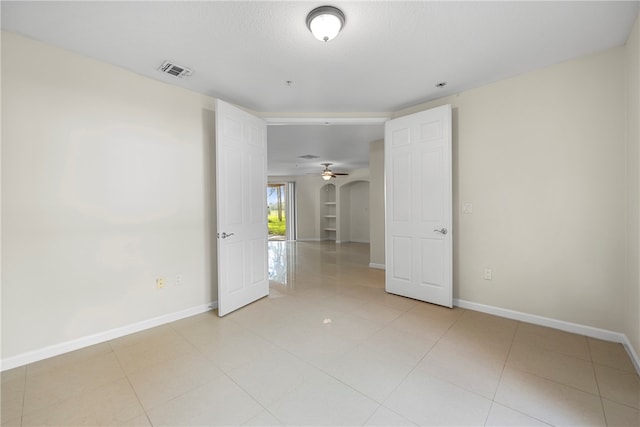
(281, 211)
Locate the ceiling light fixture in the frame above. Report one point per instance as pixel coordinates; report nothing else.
(325, 22)
(327, 173)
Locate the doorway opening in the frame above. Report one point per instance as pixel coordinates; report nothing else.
(281, 211)
(354, 213)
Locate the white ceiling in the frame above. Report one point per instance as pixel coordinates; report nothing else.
(389, 56)
(345, 146)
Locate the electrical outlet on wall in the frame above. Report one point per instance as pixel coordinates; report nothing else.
(488, 274)
(160, 283)
(178, 279)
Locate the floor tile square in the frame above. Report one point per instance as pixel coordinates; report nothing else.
(162, 382)
(618, 386)
(395, 344)
(423, 327)
(12, 394)
(47, 387)
(555, 366)
(219, 402)
(152, 349)
(107, 405)
(273, 375)
(501, 416)
(263, 419)
(610, 354)
(548, 401)
(465, 369)
(428, 401)
(369, 372)
(323, 401)
(620, 415)
(233, 350)
(553, 340)
(385, 417)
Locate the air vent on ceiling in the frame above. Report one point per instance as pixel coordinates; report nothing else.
(175, 70)
(309, 156)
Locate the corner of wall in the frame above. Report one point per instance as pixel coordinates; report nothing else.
(632, 265)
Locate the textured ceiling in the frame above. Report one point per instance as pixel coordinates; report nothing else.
(389, 56)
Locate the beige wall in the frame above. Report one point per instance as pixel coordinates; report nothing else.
(632, 289)
(541, 157)
(106, 186)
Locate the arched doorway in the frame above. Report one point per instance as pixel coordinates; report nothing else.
(353, 216)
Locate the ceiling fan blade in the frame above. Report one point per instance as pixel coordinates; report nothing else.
(329, 173)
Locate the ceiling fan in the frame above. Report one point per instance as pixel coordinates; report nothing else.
(327, 174)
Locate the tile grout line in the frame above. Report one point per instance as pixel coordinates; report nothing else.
(557, 382)
(530, 373)
(24, 393)
(255, 399)
(504, 366)
(418, 364)
(595, 376)
(76, 393)
(506, 359)
(324, 371)
(126, 375)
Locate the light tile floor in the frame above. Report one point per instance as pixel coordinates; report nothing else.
(330, 347)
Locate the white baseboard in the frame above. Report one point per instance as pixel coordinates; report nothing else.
(374, 265)
(635, 358)
(575, 328)
(65, 347)
(57, 349)
(313, 239)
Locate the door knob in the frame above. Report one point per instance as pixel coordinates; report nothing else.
(225, 235)
(442, 230)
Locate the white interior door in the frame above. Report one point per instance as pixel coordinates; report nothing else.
(241, 181)
(418, 206)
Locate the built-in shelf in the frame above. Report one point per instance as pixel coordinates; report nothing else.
(328, 212)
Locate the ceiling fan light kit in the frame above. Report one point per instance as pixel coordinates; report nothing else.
(325, 22)
(327, 173)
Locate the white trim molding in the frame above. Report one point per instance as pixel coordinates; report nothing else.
(635, 358)
(576, 328)
(65, 347)
(378, 266)
(284, 121)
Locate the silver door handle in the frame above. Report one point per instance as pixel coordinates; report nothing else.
(442, 230)
(225, 235)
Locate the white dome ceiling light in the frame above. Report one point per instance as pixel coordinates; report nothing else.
(325, 22)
